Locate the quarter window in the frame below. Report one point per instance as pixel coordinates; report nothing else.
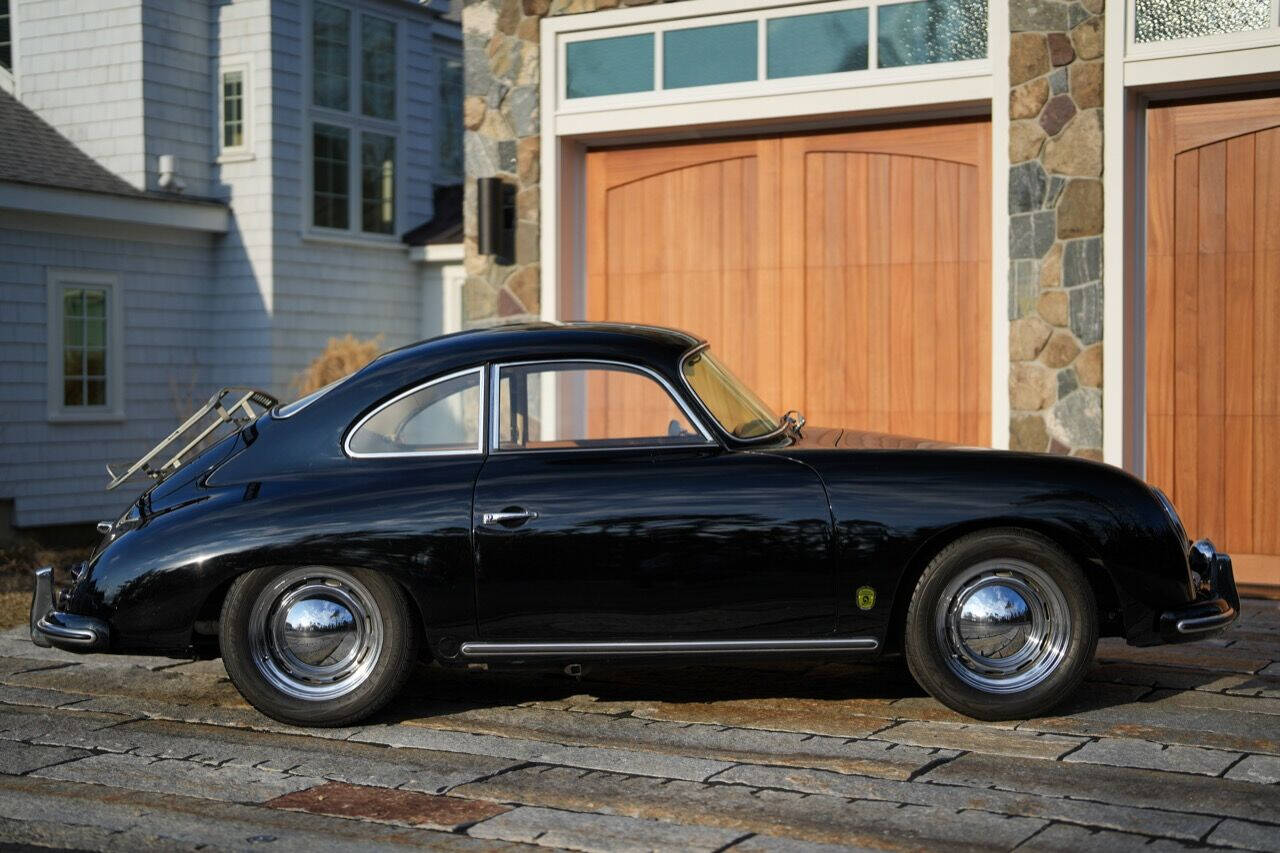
(577, 405)
(440, 418)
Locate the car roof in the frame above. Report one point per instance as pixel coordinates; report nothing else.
(548, 340)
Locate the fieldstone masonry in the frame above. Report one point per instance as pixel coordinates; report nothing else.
(1055, 226)
(500, 40)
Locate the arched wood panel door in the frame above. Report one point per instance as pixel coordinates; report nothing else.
(844, 274)
(1213, 323)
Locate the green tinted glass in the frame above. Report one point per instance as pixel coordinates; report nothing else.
(703, 56)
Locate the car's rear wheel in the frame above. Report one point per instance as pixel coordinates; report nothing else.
(317, 645)
(1002, 625)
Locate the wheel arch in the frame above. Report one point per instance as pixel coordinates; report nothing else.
(1105, 593)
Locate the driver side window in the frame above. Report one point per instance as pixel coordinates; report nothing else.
(584, 405)
(438, 418)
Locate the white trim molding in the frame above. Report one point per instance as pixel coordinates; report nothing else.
(138, 210)
(58, 280)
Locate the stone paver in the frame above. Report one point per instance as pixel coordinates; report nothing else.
(1154, 756)
(1257, 768)
(598, 832)
(1161, 748)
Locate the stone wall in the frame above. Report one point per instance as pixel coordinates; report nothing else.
(1055, 226)
(501, 43)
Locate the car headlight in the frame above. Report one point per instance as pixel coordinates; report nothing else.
(1172, 513)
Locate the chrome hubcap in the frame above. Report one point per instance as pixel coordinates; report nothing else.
(1004, 626)
(315, 633)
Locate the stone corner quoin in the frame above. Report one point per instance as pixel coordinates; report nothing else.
(1055, 227)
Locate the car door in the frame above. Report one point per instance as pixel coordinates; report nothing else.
(605, 510)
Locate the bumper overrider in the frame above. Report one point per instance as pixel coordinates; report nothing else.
(1217, 601)
(52, 627)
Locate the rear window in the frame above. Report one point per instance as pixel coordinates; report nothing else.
(301, 403)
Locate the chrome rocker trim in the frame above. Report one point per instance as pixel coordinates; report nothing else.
(66, 631)
(667, 647)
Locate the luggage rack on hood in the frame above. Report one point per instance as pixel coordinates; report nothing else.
(239, 413)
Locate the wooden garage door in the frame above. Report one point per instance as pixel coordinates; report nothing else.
(846, 274)
(1213, 323)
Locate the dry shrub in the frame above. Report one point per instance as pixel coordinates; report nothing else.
(341, 357)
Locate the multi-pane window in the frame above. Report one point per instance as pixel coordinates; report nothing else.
(84, 347)
(331, 57)
(233, 109)
(6, 38)
(377, 67)
(331, 155)
(355, 128)
(377, 183)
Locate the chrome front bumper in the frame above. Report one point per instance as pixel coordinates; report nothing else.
(1217, 606)
(50, 627)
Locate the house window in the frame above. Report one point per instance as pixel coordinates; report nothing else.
(928, 31)
(825, 43)
(233, 87)
(355, 130)
(6, 37)
(449, 122)
(331, 152)
(702, 56)
(85, 348)
(610, 66)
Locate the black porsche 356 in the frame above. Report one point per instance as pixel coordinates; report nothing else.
(545, 495)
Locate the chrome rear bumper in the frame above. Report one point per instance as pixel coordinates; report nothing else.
(1216, 608)
(50, 627)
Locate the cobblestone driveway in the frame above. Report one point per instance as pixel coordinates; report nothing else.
(1162, 748)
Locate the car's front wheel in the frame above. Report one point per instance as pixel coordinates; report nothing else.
(1002, 625)
(317, 645)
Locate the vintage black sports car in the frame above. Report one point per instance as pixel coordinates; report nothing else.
(544, 495)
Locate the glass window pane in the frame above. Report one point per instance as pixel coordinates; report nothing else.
(1160, 20)
(592, 406)
(95, 333)
(377, 67)
(73, 392)
(95, 362)
(825, 43)
(449, 121)
(72, 361)
(703, 56)
(329, 183)
(609, 66)
(95, 303)
(73, 303)
(331, 57)
(73, 331)
(440, 418)
(931, 31)
(95, 392)
(377, 183)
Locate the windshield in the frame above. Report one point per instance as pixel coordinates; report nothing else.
(740, 412)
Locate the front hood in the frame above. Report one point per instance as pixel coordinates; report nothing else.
(831, 438)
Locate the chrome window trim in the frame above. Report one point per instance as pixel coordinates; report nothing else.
(781, 428)
(495, 409)
(665, 647)
(479, 448)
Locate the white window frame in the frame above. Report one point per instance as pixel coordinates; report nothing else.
(58, 281)
(356, 123)
(910, 93)
(470, 451)
(9, 76)
(762, 85)
(243, 151)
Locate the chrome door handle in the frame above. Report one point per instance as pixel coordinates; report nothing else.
(507, 517)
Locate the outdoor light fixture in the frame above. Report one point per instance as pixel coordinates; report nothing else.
(496, 212)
